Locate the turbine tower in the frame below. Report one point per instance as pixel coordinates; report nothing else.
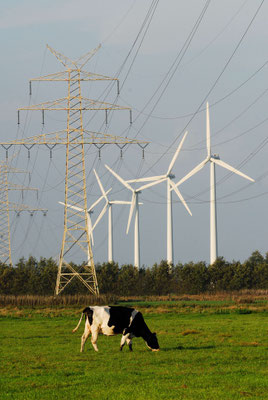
(213, 160)
(134, 206)
(76, 233)
(168, 177)
(108, 206)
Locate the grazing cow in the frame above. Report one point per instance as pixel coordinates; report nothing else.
(113, 320)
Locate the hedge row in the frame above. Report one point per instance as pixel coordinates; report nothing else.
(34, 277)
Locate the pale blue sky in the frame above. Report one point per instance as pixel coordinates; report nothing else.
(75, 27)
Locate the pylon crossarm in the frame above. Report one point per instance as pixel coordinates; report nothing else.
(82, 105)
(59, 138)
(58, 76)
(47, 105)
(8, 169)
(22, 207)
(97, 105)
(89, 76)
(64, 76)
(12, 186)
(46, 138)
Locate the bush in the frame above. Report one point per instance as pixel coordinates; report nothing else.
(34, 277)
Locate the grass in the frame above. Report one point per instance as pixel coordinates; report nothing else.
(205, 354)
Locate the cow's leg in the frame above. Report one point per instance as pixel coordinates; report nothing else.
(129, 342)
(94, 338)
(123, 340)
(85, 335)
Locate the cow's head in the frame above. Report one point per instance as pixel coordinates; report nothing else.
(152, 342)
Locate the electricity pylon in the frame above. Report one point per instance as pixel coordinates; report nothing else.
(6, 206)
(75, 232)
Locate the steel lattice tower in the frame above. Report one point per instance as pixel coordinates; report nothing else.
(5, 248)
(6, 206)
(75, 222)
(76, 232)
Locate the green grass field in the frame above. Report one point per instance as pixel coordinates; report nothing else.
(209, 350)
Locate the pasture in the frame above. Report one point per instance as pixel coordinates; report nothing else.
(211, 349)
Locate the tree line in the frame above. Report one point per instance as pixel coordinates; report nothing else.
(35, 277)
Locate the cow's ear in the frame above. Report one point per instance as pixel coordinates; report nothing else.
(154, 334)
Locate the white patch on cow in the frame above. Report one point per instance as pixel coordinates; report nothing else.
(133, 314)
(101, 316)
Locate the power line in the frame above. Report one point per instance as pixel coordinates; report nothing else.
(211, 105)
(215, 82)
(194, 148)
(174, 66)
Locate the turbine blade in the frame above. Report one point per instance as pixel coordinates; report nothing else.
(208, 132)
(148, 179)
(70, 206)
(100, 216)
(232, 169)
(120, 179)
(90, 229)
(191, 173)
(131, 210)
(100, 184)
(120, 202)
(176, 154)
(151, 184)
(97, 201)
(178, 193)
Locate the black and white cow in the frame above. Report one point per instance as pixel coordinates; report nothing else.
(113, 320)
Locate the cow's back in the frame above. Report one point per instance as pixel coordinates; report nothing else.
(120, 318)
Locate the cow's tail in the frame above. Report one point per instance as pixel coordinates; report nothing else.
(75, 329)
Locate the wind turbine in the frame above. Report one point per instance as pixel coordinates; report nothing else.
(134, 206)
(108, 206)
(168, 177)
(214, 160)
(89, 211)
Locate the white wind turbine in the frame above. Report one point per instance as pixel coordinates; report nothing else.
(155, 180)
(213, 159)
(89, 212)
(108, 206)
(134, 206)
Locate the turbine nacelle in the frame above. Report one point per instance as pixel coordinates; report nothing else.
(215, 157)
